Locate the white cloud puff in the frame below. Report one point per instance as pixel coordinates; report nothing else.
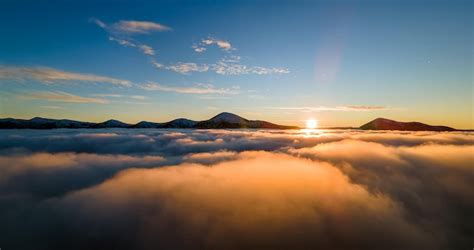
(222, 44)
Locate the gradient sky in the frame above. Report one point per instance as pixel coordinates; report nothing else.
(341, 62)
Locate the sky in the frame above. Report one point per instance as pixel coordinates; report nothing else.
(343, 63)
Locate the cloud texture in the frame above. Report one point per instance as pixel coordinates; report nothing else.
(59, 96)
(131, 27)
(235, 189)
(51, 76)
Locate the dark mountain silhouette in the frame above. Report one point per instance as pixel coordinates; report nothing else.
(221, 121)
(176, 123)
(229, 120)
(386, 124)
(179, 123)
(42, 123)
(111, 124)
(145, 124)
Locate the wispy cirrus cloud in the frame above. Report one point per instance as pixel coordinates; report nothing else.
(52, 107)
(122, 42)
(109, 95)
(50, 76)
(121, 31)
(98, 22)
(145, 49)
(136, 97)
(131, 27)
(139, 27)
(334, 108)
(213, 97)
(199, 89)
(59, 96)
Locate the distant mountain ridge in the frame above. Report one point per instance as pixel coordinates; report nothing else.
(223, 120)
(387, 124)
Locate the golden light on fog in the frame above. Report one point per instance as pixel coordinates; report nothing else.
(311, 123)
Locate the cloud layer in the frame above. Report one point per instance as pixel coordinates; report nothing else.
(234, 189)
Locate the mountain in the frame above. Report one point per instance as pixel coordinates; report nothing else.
(176, 123)
(223, 120)
(386, 124)
(42, 123)
(229, 120)
(145, 124)
(111, 124)
(179, 123)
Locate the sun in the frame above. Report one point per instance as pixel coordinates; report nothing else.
(311, 123)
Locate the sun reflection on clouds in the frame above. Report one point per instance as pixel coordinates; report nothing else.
(239, 189)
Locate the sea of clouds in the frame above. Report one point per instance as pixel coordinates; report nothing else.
(236, 189)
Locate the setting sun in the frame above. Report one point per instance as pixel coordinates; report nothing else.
(311, 123)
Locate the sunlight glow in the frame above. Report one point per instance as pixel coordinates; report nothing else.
(311, 123)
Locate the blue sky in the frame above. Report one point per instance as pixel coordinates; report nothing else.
(341, 62)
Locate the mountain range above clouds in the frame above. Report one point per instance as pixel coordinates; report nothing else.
(224, 120)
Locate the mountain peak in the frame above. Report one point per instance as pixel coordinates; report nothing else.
(40, 119)
(180, 123)
(228, 117)
(112, 123)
